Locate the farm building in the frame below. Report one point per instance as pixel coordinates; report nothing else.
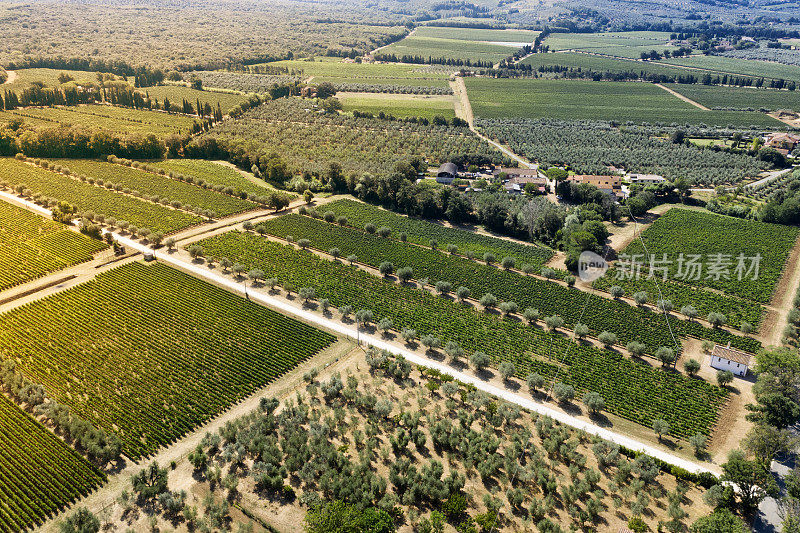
(727, 358)
(447, 173)
(646, 179)
(518, 185)
(608, 184)
(783, 142)
(512, 173)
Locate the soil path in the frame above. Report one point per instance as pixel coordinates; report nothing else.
(782, 300)
(12, 76)
(682, 97)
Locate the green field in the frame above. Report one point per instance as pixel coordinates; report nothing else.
(683, 231)
(461, 43)
(151, 353)
(605, 64)
(338, 71)
(115, 119)
(214, 173)
(629, 323)
(590, 100)
(399, 105)
(33, 246)
(48, 76)
(422, 232)
(41, 475)
(622, 44)
(745, 67)
(740, 97)
(177, 94)
(87, 197)
(631, 389)
(154, 185)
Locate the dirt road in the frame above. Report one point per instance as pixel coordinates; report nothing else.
(682, 97)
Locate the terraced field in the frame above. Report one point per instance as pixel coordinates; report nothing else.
(150, 352)
(688, 232)
(589, 100)
(164, 187)
(41, 475)
(33, 246)
(631, 389)
(86, 197)
(627, 322)
(115, 119)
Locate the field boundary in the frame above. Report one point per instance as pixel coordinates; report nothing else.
(682, 97)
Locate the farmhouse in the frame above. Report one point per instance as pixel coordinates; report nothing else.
(727, 358)
(447, 173)
(608, 184)
(783, 142)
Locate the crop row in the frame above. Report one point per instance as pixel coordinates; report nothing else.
(150, 184)
(687, 232)
(422, 232)
(629, 323)
(150, 352)
(34, 246)
(644, 393)
(87, 197)
(39, 474)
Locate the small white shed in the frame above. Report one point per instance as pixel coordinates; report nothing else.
(727, 358)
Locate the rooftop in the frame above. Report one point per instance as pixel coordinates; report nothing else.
(731, 354)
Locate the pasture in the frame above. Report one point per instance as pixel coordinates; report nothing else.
(589, 100)
(151, 353)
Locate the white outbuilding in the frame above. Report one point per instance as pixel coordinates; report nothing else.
(727, 358)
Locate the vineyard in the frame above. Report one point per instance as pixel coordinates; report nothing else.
(150, 352)
(740, 97)
(312, 141)
(399, 105)
(34, 246)
(590, 147)
(629, 323)
(595, 63)
(107, 117)
(622, 44)
(422, 232)
(177, 93)
(742, 67)
(588, 100)
(214, 173)
(694, 232)
(163, 188)
(87, 197)
(631, 389)
(41, 475)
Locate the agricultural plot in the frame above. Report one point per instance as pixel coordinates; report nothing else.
(312, 141)
(461, 43)
(372, 77)
(116, 119)
(589, 100)
(165, 352)
(41, 475)
(740, 97)
(399, 105)
(590, 147)
(215, 173)
(741, 67)
(627, 322)
(163, 187)
(628, 44)
(48, 76)
(422, 232)
(33, 246)
(605, 64)
(86, 197)
(177, 93)
(632, 390)
(683, 231)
